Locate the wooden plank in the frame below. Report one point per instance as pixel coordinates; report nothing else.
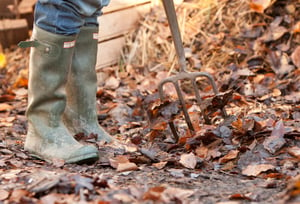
(121, 22)
(5, 12)
(13, 31)
(120, 17)
(26, 6)
(109, 52)
(158, 2)
(26, 10)
(116, 5)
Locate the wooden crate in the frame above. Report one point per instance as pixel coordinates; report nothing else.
(12, 31)
(26, 9)
(120, 17)
(6, 9)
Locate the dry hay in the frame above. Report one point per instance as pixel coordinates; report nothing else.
(211, 31)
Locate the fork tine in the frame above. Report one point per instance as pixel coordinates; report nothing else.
(185, 112)
(193, 78)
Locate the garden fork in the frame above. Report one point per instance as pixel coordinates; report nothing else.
(183, 73)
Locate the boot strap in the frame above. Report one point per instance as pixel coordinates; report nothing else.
(26, 44)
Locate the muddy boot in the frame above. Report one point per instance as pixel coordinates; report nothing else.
(47, 137)
(81, 113)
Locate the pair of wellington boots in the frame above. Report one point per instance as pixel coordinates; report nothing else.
(62, 96)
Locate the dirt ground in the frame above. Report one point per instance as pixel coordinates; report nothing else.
(251, 156)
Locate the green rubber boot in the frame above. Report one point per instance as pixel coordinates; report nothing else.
(81, 113)
(47, 137)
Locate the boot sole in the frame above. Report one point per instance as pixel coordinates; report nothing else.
(85, 159)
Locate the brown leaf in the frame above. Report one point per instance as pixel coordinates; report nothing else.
(154, 193)
(57, 198)
(232, 154)
(202, 152)
(259, 5)
(294, 97)
(256, 169)
(243, 72)
(5, 107)
(17, 194)
(7, 97)
(214, 153)
(3, 194)
(229, 166)
(297, 27)
(122, 163)
(112, 83)
(274, 33)
(58, 162)
(159, 124)
(239, 197)
(294, 151)
(129, 166)
(274, 175)
(296, 56)
(114, 162)
(276, 140)
(123, 197)
(21, 82)
(160, 165)
(171, 194)
(188, 160)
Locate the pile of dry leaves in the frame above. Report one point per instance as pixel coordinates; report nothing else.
(251, 48)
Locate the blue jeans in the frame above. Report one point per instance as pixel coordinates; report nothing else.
(66, 17)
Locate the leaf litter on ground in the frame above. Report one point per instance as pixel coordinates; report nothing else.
(250, 47)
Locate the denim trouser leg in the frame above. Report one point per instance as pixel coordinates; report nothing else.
(66, 17)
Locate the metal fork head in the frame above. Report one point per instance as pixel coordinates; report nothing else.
(192, 76)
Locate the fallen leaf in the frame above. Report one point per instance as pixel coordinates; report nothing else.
(3, 194)
(7, 97)
(202, 152)
(293, 97)
(114, 162)
(232, 154)
(159, 165)
(296, 57)
(176, 172)
(171, 194)
(259, 5)
(243, 72)
(239, 196)
(297, 27)
(275, 33)
(17, 194)
(123, 197)
(188, 160)
(5, 107)
(57, 198)
(276, 140)
(129, 166)
(294, 151)
(154, 193)
(58, 162)
(21, 82)
(274, 176)
(112, 83)
(213, 153)
(228, 166)
(256, 169)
